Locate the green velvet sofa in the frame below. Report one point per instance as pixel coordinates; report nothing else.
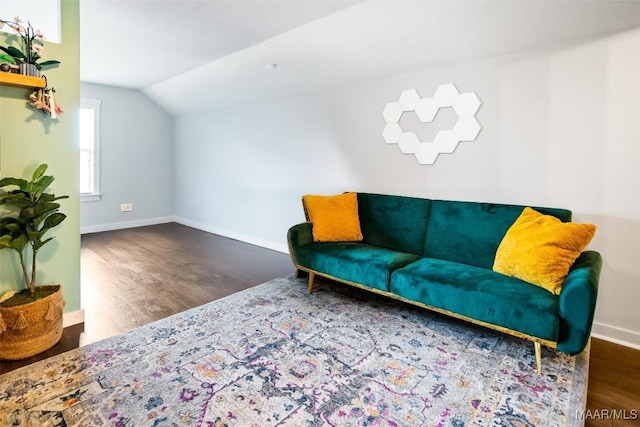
(439, 254)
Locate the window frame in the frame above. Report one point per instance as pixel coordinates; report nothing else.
(95, 105)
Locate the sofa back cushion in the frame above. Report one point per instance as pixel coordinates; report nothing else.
(394, 222)
(470, 232)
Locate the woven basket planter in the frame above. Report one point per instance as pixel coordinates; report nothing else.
(30, 329)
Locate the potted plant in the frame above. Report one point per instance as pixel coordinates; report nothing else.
(32, 45)
(30, 320)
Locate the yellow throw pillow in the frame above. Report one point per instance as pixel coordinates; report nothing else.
(540, 249)
(334, 218)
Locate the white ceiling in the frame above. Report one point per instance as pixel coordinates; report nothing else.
(194, 55)
(137, 43)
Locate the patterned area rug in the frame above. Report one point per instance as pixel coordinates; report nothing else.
(275, 356)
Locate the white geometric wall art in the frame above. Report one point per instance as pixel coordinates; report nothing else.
(408, 142)
(466, 128)
(446, 95)
(427, 109)
(408, 100)
(426, 153)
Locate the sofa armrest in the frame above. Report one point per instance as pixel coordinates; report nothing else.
(577, 302)
(297, 236)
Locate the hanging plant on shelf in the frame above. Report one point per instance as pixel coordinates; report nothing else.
(28, 58)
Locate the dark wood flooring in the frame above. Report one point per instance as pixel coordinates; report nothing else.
(133, 277)
(614, 385)
(136, 276)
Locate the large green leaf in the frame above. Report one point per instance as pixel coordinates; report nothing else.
(28, 188)
(48, 63)
(34, 236)
(44, 182)
(8, 51)
(4, 57)
(48, 197)
(12, 181)
(18, 202)
(15, 198)
(12, 228)
(40, 170)
(42, 212)
(15, 52)
(53, 220)
(37, 245)
(5, 241)
(38, 188)
(27, 214)
(43, 207)
(19, 243)
(7, 220)
(18, 194)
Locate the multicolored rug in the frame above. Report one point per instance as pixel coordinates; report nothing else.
(275, 356)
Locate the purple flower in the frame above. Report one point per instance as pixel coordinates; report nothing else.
(187, 395)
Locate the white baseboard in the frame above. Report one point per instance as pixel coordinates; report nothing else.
(616, 335)
(73, 318)
(269, 244)
(125, 224)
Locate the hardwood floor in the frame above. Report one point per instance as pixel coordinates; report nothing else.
(136, 276)
(133, 277)
(614, 385)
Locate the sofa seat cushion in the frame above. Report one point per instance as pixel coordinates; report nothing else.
(480, 294)
(354, 262)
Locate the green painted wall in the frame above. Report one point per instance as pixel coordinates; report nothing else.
(28, 138)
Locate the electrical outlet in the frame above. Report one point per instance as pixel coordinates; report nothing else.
(126, 207)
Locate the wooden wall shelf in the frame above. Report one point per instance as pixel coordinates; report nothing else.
(20, 80)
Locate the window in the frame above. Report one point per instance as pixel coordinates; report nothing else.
(89, 150)
(44, 15)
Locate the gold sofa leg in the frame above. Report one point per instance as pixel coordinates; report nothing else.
(538, 356)
(312, 276)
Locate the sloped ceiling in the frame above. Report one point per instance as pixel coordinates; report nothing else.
(339, 43)
(137, 43)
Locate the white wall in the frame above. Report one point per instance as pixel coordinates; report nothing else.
(560, 128)
(136, 151)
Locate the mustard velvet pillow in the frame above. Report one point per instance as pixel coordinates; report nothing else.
(334, 218)
(540, 249)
